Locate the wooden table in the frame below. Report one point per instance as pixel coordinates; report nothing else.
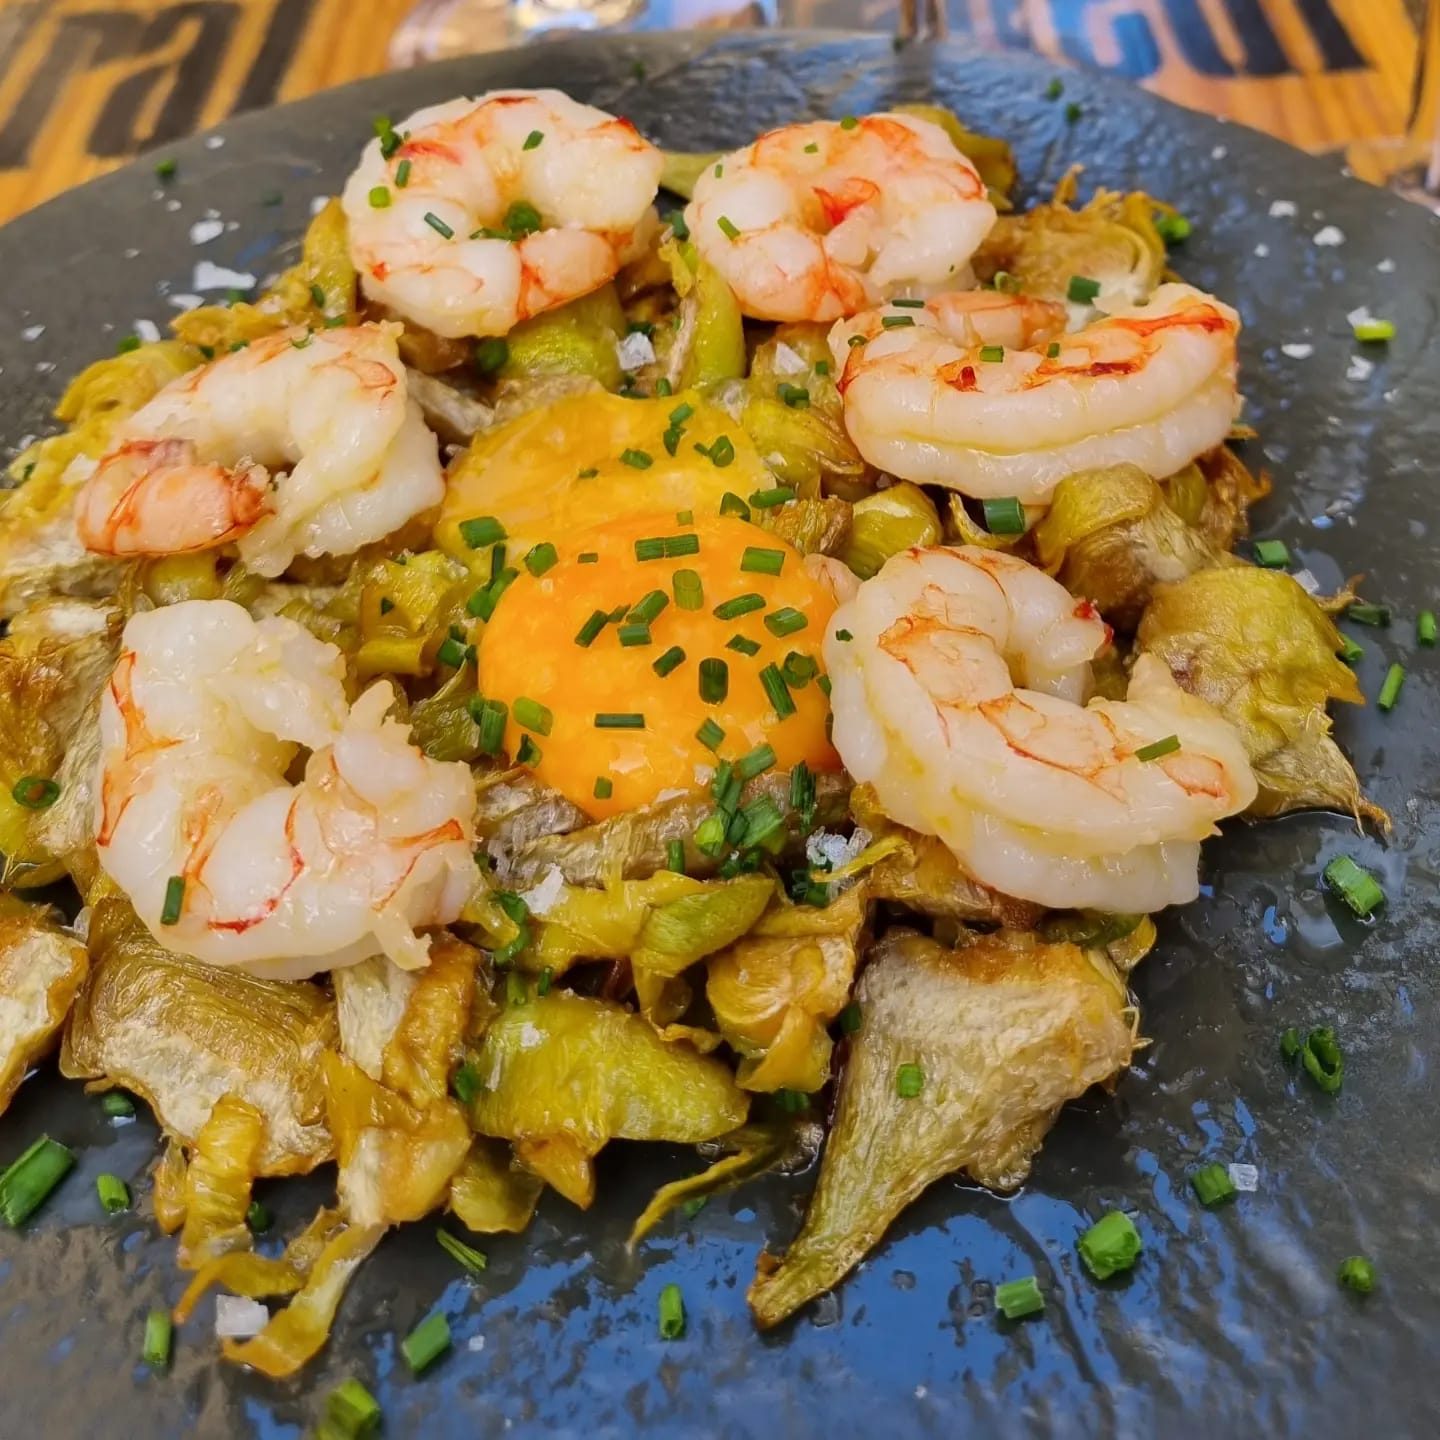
(86, 83)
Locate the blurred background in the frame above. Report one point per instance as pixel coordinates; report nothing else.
(84, 84)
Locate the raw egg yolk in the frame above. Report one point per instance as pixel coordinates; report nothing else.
(653, 646)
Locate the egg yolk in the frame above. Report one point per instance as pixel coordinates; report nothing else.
(599, 659)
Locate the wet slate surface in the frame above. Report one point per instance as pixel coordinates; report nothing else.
(1232, 1323)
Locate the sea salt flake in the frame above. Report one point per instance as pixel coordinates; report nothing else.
(1329, 235)
(1280, 209)
(788, 361)
(147, 330)
(825, 847)
(214, 142)
(202, 232)
(32, 332)
(542, 898)
(1386, 266)
(1262, 250)
(209, 276)
(186, 302)
(1360, 316)
(1360, 368)
(1219, 153)
(1245, 1178)
(1298, 350)
(237, 1318)
(318, 203)
(634, 351)
(1306, 580)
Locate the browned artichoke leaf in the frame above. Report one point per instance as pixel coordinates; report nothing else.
(54, 660)
(1263, 653)
(1004, 1031)
(513, 810)
(168, 1187)
(1111, 536)
(924, 874)
(584, 1071)
(182, 1035)
(635, 844)
(1112, 240)
(406, 1028)
(396, 1160)
(218, 1183)
(813, 527)
(490, 1193)
(41, 970)
(1213, 495)
(775, 991)
(299, 1331)
(453, 413)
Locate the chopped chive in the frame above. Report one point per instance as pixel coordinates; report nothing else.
(909, 1081)
(684, 517)
(34, 792)
(1425, 627)
(451, 653)
(26, 1183)
(742, 646)
(638, 459)
(649, 607)
(678, 227)
(851, 1018)
(1358, 1274)
(1290, 1044)
(587, 557)
(465, 1255)
(1212, 1185)
(1052, 350)
(726, 787)
(159, 1336)
(675, 856)
(483, 602)
(1082, 290)
(1004, 515)
(689, 592)
(619, 720)
(466, 1084)
(710, 735)
(117, 1105)
(714, 681)
(634, 634)
(710, 836)
(757, 762)
(678, 546)
(681, 413)
(1172, 229)
(1110, 1245)
(767, 499)
(732, 504)
(591, 628)
(763, 822)
(740, 605)
(1390, 690)
(1323, 1059)
(490, 716)
(534, 140)
(1272, 554)
(482, 531)
(908, 304)
(812, 148)
(1375, 615)
(844, 635)
(540, 558)
(719, 169)
(546, 979)
(671, 441)
(379, 197)
(1054, 89)
(1350, 652)
(1073, 112)
(402, 174)
(727, 228)
(785, 621)
(351, 1412)
(528, 754)
(438, 225)
(521, 219)
(672, 1313)
(992, 355)
(604, 787)
(1005, 282)
(798, 670)
(491, 354)
(426, 1343)
(165, 169)
(174, 900)
(1355, 885)
(777, 691)
(895, 322)
(1018, 1298)
(389, 140)
(257, 1218)
(720, 452)
(849, 123)
(1154, 751)
(824, 683)
(797, 397)
(822, 367)
(114, 1193)
(1374, 331)
(759, 561)
(802, 793)
(127, 344)
(532, 715)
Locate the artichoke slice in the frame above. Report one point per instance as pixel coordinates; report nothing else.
(1003, 1031)
(218, 1182)
(490, 1193)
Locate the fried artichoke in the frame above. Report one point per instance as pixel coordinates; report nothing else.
(1263, 653)
(998, 1035)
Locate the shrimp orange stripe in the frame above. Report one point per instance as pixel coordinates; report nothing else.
(993, 710)
(450, 830)
(269, 907)
(138, 740)
(838, 204)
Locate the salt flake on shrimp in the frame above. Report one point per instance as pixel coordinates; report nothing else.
(491, 224)
(301, 443)
(960, 698)
(226, 861)
(820, 220)
(928, 398)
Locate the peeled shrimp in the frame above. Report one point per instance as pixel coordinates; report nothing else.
(301, 443)
(960, 699)
(821, 220)
(492, 225)
(1152, 385)
(202, 718)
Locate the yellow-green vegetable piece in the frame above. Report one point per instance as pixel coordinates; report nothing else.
(1004, 1031)
(490, 1193)
(575, 339)
(887, 522)
(709, 343)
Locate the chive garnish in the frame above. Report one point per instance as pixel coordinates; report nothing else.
(490, 716)
(675, 856)
(684, 517)
(1018, 1298)
(491, 354)
(165, 169)
(438, 225)
(1425, 627)
(909, 1081)
(727, 228)
(465, 1255)
(534, 140)
(540, 558)
(117, 1105)
(174, 900)
(1110, 1245)
(732, 504)
(258, 1218)
(351, 1412)
(127, 344)
(1355, 885)
(636, 633)
(649, 607)
(1168, 746)
(532, 715)
(798, 670)
(591, 628)
(451, 653)
(638, 459)
(1390, 690)
(710, 735)
(1272, 554)
(777, 691)
(159, 1336)
(1052, 350)
(785, 621)
(1082, 290)
(1172, 229)
(672, 1313)
(710, 837)
(742, 646)
(895, 322)
(851, 1019)
(402, 174)
(528, 753)
(1212, 1184)
(619, 720)
(426, 1343)
(757, 762)
(844, 635)
(26, 1183)
(714, 681)
(719, 453)
(1374, 331)
(740, 605)
(1357, 1273)
(588, 557)
(34, 792)
(768, 499)
(849, 123)
(672, 658)
(797, 397)
(483, 530)
(114, 1193)
(689, 591)
(992, 354)
(1323, 1059)
(759, 561)
(1004, 515)
(604, 787)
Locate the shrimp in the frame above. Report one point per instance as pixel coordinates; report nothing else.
(821, 220)
(226, 861)
(301, 443)
(959, 676)
(491, 211)
(1152, 385)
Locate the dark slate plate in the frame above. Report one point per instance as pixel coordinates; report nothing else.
(1232, 1323)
